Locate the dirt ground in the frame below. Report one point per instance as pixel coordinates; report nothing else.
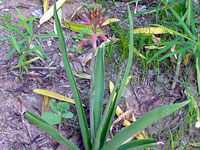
(16, 95)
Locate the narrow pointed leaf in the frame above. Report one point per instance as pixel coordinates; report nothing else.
(180, 51)
(138, 144)
(113, 108)
(174, 32)
(143, 122)
(71, 79)
(186, 29)
(98, 87)
(25, 63)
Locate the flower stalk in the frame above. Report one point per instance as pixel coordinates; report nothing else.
(93, 17)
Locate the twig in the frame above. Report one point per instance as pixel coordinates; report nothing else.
(178, 66)
(43, 68)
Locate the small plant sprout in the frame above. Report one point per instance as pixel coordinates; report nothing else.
(59, 112)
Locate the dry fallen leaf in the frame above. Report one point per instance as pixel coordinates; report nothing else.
(186, 60)
(49, 12)
(154, 47)
(150, 30)
(54, 95)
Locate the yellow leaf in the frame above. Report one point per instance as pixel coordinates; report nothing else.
(80, 27)
(45, 5)
(186, 60)
(50, 12)
(150, 30)
(45, 105)
(126, 123)
(108, 21)
(197, 124)
(154, 47)
(54, 95)
(119, 112)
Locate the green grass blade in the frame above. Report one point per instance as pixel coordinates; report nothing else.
(71, 79)
(4, 38)
(2, 27)
(190, 17)
(168, 46)
(198, 67)
(143, 143)
(22, 18)
(11, 52)
(45, 35)
(50, 130)
(187, 30)
(14, 43)
(143, 122)
(153, 10)
(180, 51)
(174, 32)
(123, 83)
(25, 63)
(23, 21)
(40, 49)
(99, 86)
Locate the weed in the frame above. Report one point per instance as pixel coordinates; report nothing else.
(22, 41)
(59, 112)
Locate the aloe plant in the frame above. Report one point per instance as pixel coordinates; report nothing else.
(95, 137)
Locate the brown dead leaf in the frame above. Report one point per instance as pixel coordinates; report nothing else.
(186, 60)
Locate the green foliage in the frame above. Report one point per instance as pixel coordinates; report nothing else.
(59, 112)
(185, 39)
(22, 42)
(103, 120)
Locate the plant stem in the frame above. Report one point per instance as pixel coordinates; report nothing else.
(92, 92)
(178, 66)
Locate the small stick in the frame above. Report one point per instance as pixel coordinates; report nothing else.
(178, 66)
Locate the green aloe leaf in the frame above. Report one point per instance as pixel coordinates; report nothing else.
(101, 132)
(50, 130)
(98, 86)
(113, 108)
(71, 79)
(136, 144)
(143, 122)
